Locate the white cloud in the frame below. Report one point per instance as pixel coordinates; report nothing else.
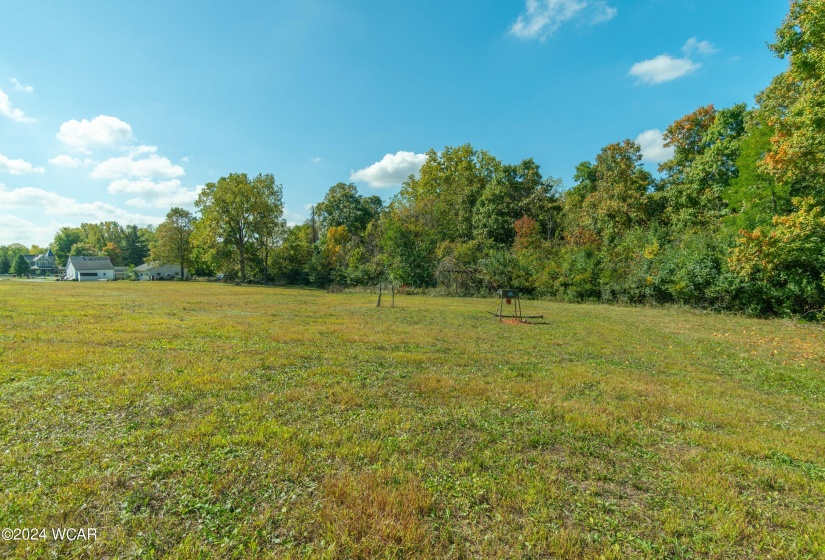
(11, 112)
(17, 230)
(603, 13)
(20, 87)
(100, 132)
(152, 167)
(48, 203)
(695, 46)
(541, 18)
(663, 68)
(293, 218)
(160, 194)
(653, 148)
(69, 161)
(315, 160)
(18, 166)
(392, 170)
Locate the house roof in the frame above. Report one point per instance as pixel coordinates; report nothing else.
(154, 265)
(43, 256)
(90, 263)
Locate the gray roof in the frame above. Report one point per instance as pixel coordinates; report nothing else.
(43, 256)
(90, 263)
(146, 267)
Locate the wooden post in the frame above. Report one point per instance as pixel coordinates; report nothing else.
(379, 295)
(392, 287)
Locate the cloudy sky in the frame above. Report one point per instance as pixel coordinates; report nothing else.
(118, 111)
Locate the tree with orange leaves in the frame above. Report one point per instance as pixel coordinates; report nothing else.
(795, 102)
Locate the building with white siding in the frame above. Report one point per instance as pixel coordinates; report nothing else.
(158, 271)
(90, 268)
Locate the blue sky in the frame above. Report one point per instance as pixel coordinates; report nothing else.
(119, 110)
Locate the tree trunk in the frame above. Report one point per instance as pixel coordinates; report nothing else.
(266, 265)
(243, 265)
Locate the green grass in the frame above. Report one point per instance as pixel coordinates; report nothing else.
(213, 421)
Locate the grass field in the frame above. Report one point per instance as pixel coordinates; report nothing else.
(214, 421)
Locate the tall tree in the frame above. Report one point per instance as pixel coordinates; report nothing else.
(173, 239)
(64, 240)
(5, 265)
(237, 211)
(795, 101)
(754, 197)
(135, 247)
(706, 148)
(515, 191)
(343, 206)
(617, 186)
(449, 185)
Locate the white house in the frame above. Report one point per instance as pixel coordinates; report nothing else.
(90, 268)
(156, 270)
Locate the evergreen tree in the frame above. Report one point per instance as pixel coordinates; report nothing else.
(135, 248)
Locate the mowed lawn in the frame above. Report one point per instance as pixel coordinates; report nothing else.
(196, 420)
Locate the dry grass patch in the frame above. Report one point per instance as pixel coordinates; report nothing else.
(378, 515)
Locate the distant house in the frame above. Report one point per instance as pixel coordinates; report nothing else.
(156, 270)
(90, 268)
(41, 265)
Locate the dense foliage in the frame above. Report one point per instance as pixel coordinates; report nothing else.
(732, 221)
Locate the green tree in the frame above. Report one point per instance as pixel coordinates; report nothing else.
(795, 102)
(93, 235)
(135, 247)
(173, 244)
(82, 249)
(409, 246)
(20, 267)
(783, 267)
(449, 185)
(754, 197)
(343, 206)
(618, 197)
(292, 257)
(706, 148)
(237, 212)
(64, 240)
(5, 265)
(513, 192)
(114, 253)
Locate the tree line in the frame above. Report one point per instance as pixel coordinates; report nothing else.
(733, 220)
